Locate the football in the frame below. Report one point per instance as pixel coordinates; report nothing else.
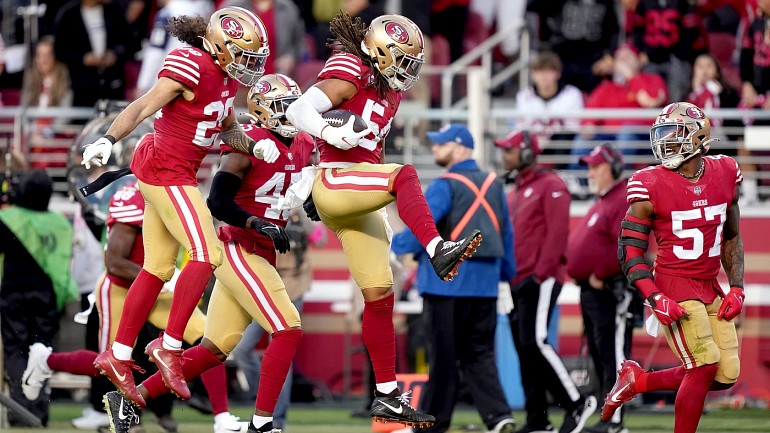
(340, 117)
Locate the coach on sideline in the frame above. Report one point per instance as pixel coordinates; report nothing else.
(604, 293)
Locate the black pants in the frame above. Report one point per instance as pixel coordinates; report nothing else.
(28, 314)
(461, 335)
(541, 367)
(608, 330)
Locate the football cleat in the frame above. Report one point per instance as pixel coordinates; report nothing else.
(394, 407)
(37, 371)
(267, 428)
(169, 364)
(624, 389)
(231, 424)
(121, 412)
(508, 425)
(575, 421)
(91, 420)
(449, 255)
(120, 374)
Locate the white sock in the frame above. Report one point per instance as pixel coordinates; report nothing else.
(431, 248)
(221, 417)
(260, 421)
(121, 351)
(171, 343)
(387, 387)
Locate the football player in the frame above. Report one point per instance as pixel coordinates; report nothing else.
(123, 255)
(690, 201)
(368, 77)
(192, 102)
(245, 194)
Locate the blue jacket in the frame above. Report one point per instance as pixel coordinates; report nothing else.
(477, 277)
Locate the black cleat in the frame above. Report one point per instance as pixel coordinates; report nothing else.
(449, 255)
(394, 407)
(121, 412)
(267, 428)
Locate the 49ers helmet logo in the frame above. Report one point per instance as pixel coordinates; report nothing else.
(263, 87)
(695, 113)
(397, 32)
(232, 27)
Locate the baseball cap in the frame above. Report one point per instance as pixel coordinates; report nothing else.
(452, 132)
(600, 154)
(517, 139)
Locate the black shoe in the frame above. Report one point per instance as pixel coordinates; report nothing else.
(267, 428)
(449, 255)
(121, 412)
(536, 429)
(394, 407)
(575, 421)
(606, 427)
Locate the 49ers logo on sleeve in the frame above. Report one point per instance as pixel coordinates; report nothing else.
(263, 87)
(397, 32)
(232, 27)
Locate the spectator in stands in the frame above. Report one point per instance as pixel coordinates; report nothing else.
(670, 35)
(539, 208)
(547, 97)
(91, 38)
(289, 46)
(448, 18)
(36, 279)
(461, 313)
(297, 275)
(583, 34)
(605, 296)
(628, 88)
(161, 42)
(502, 14)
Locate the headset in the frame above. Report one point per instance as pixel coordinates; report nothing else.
(527, 153)
(611, 155)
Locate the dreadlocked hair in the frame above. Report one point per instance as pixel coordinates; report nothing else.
(188, 29)
(349, 32)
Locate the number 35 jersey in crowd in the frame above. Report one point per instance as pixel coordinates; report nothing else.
(377, 112)
(688, 224)
(263, 185)
(185, 130)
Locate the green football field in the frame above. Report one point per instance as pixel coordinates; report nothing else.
(307, 419)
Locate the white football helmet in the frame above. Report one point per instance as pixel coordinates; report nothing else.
(268, 101)
(680, 132)
(237, 39)
(396, 45)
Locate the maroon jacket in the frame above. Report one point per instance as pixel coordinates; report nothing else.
(593, 243)
(539, 207)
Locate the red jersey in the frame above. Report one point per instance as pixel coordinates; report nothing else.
(185, 130)
(263, 185)
(613, 95)
(377, 112)
(688, 222)
(127, 207)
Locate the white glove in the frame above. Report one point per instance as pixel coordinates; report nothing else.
(344, 137)
(170, 285)
(97, 153)
(504, 299)
(267, 150)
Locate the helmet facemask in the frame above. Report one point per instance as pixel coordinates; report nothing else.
(269, 108)
(404, 71)
(247, 67)
(673, 143)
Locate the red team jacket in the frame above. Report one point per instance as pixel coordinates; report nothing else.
(688, 222)
(377, 112)
(185, 130)
(127, 207)
(263, 185)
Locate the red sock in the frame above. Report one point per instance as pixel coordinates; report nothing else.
(139, 302)
(380, 338)
(215, 381)
(189, 289)
(80, 362)
(669, 379)
(412, 207)
(691, 396)
(198, 361)
(275, 366)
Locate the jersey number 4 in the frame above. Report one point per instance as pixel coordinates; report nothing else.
(709, 213)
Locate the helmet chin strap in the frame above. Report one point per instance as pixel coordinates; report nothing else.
(676, 161)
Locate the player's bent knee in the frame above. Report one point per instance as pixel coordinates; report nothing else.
(719, 386)
(225, 343)
(213, 348)
(729, 368)
(376, 293)
(165, 273)
(216, 256)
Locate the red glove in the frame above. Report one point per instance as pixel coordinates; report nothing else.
(666, 310)
(732, 304)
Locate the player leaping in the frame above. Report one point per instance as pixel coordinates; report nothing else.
(368, 77)
(690, 201)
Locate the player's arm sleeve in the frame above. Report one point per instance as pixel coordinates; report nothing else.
(222, 203)
(343, 66)
(633, 243)
(508, 271)
(305, 112)
(556, 202)
(181, 68)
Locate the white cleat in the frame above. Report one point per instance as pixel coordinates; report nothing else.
(37, 371)
(91, 420)
(231, 424)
